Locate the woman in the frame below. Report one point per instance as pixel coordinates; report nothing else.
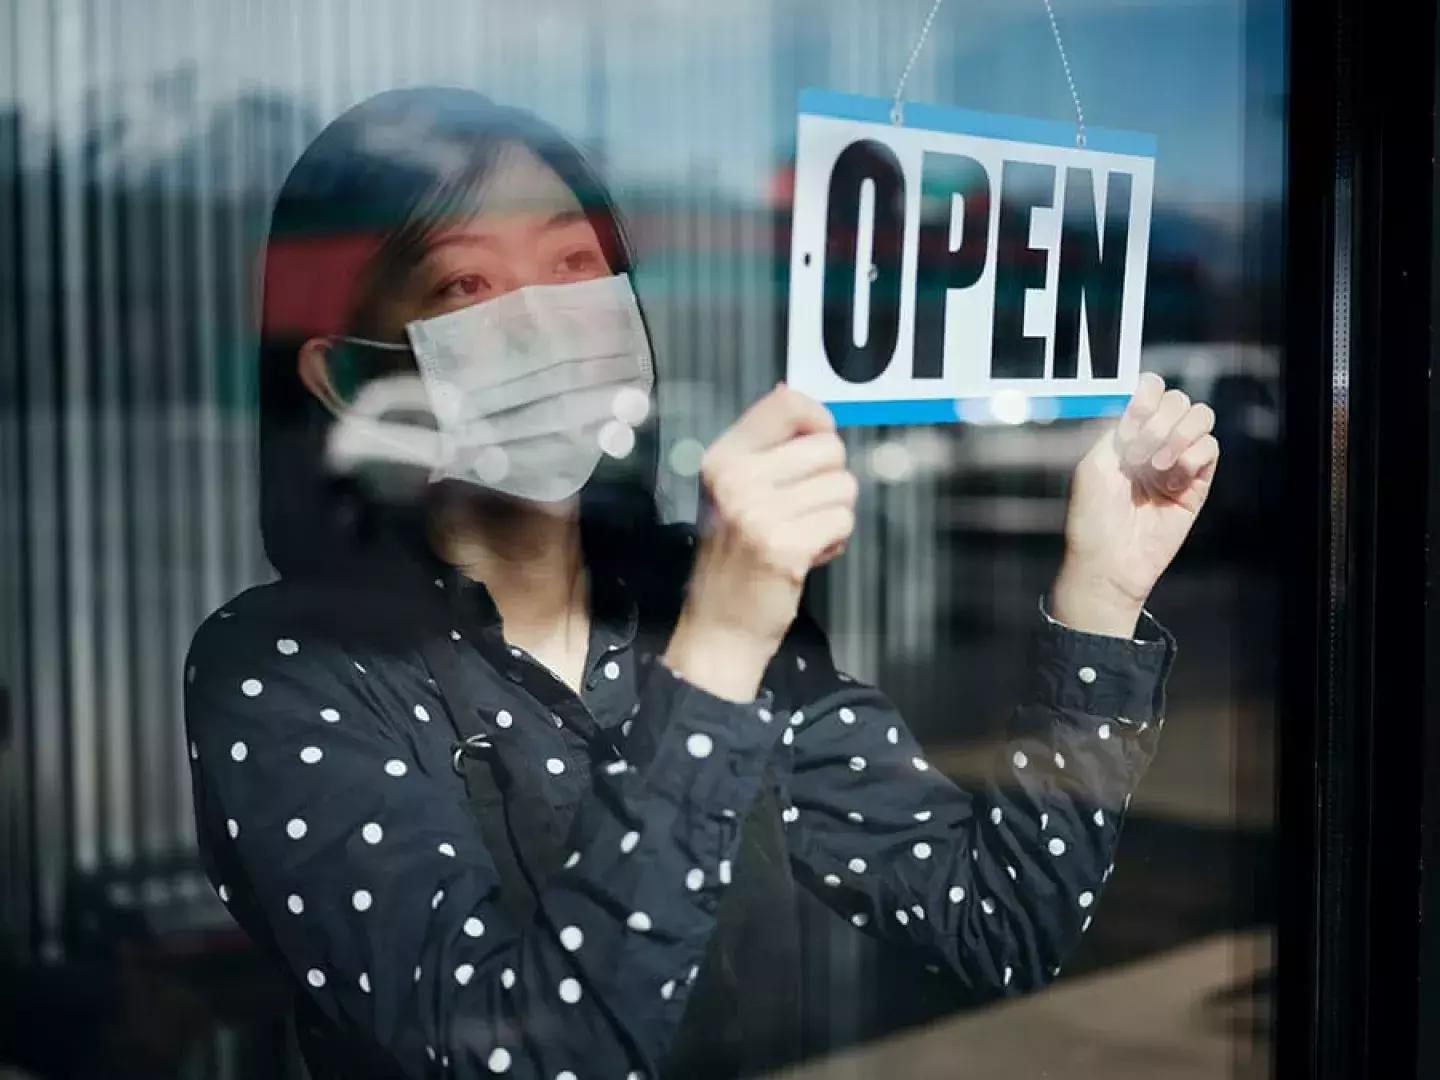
(510, 779)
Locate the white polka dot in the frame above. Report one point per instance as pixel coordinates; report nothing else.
(1009, 972)
(699, 745)
(359, 667)
(239, 751)
(1059, 760)
(194, 753)
(554, 766)
(625, 728)
(639, 922)
(569, 991)
(988, 906)
(499, 1061)
(856, 817)
(800, 662)
(832, 880)
(572, 938)
(920, 764)
(902, 918)
(765, 714)
(315, 977)
(507, 978)
(1104, 731)
(1127, 800)
(957, 893)
(395, 767)
(996, 815)
(1020, 759)
(668, 990)
(860, 918)
(474, 927)
(857, 764)
(857, 866)
(251, 687)
(790, 814)
(437, 899)
(789, 737)
(724, 872)
(232, 827)
(515, 652)
(797, 718)
(1057, 846)
(573, 861)
(847, 716)
(422, 714)
(1099, 818)
(223, 892)
(1087, 674)
(612, 670)
(416, 975)
(921, 850)
(923, 815)
(287, 646)
(464, 973)
(694, 971)
(565, 1075)
(695, 880)
(296, 828)
(361, 899)
(1044, 821)
(430, 1052)
(616, 768)
(295, 903)
(311, 754)
(892, 736)
(454, 635)
(728, 814)
(503, 718)
(364, 982)
(628, 841)
(372, 833)
(447, 849)
(1011, 871)
(330, 716)
(1108, 871)
(1086, 924)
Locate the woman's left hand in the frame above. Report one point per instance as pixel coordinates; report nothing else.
(1133, 500)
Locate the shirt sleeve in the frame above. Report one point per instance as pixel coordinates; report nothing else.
(996, 883)
(343, 842)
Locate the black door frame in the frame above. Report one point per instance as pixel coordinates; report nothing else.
(1358, 444)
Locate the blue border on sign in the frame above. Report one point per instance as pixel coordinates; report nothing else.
(873, 110)
(952, 410)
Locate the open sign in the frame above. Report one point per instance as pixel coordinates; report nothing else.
(957, 263)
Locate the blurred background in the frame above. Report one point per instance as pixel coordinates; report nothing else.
(141, 144)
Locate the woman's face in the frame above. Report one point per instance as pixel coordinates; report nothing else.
(528, 229)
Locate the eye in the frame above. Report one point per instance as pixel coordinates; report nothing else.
(581, 261)
(463, 287)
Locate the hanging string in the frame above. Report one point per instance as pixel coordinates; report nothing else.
(897, 108)
(897, 112)
(1069, 78)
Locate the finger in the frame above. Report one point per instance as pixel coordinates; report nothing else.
(817, 493)
(1188, 480)
(830, 554)
(802, 457)
(1162, 421)
(1198, 421)
(778, 416)
(824, 529)
(1141, 406)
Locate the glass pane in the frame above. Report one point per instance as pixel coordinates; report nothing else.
(143, 148)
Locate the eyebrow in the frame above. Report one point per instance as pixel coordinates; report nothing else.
(455, 238)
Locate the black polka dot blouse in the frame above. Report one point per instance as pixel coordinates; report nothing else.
(336, 828)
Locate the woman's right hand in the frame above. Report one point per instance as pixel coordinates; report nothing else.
(782, 503)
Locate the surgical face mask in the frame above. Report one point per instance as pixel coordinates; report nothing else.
(530, 389)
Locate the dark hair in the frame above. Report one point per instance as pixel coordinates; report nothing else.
(354, 212)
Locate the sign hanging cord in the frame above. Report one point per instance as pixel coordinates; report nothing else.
(897, 108)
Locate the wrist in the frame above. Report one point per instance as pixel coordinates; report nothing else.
(1087, 602)
(726, 661)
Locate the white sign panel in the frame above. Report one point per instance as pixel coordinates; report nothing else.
(964, 266)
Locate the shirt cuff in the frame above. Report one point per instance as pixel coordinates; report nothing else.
(1119, 678)
(691, 744)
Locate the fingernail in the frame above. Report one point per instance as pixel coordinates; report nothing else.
(1163, 459)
